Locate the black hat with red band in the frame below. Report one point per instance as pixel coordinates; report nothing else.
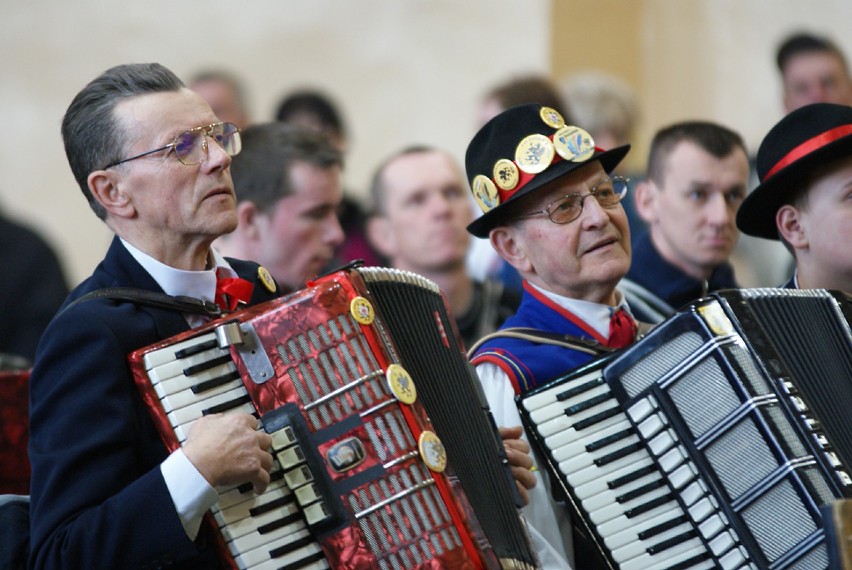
(808, 137)
(521, 150)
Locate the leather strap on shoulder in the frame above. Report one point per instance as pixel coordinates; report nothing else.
(181, 304)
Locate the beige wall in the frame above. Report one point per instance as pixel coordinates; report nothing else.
(405, 71)
(692, 59)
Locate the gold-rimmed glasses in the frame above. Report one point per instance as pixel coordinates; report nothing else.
(191, 146)
(608, 193)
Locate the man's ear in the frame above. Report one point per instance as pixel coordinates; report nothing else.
(788, 220)
(645, 199)
(505, 241)
(248, 218)
(105, 187)
(381, 236)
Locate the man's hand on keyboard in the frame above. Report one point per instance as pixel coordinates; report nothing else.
(228, 450)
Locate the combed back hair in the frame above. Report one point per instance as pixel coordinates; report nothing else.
(378, 189)
(715, 139)
(261, 172)
(801, 43)
(316, 105)
(91, 132)
(530, 89)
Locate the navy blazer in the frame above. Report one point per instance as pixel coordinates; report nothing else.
(98, 497)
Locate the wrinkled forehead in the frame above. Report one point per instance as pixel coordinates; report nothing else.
(161, 116)
(578, 181)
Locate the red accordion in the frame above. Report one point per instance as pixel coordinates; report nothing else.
(386, 455)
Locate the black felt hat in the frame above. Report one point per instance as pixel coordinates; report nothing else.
(808, 137)
(521, 150)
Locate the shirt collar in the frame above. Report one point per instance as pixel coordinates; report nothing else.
(596, 315)
(175, 282)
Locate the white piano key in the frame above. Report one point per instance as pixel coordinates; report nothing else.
(275, 565)
(546, 397)
(239, 511)
(615, 510)
(177, 367)
(195, 411)
(592, 472)
(620, 523)
(630, 534)
(186, 398)
(567, 444)
(254, 539)
(601, 484)
(556, 408)
(733, 559)
(181, 382)
(602, 500)
(640, 547)
(234, 496)
(183, 429)
(668, 558)
(262, 554)
(237, 527)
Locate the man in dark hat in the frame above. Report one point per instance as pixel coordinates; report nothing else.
(550, 209)
(805, 194)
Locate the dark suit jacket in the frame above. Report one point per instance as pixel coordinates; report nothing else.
(98, 498)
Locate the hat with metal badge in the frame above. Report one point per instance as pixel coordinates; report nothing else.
(520, 150)
(806, 138)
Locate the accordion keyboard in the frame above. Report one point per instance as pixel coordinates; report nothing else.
(268, 531)
(615, 479)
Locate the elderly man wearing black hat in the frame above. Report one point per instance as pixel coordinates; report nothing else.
(552, 210)
(805, 194)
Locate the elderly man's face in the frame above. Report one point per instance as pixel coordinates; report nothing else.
(176, 206)
(583, 259)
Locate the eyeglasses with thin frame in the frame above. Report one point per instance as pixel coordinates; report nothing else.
(608, 193)
(190, 146)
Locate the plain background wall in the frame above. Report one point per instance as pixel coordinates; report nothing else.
(404, 71)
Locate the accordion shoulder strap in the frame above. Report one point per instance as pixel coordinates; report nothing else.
(179, 303)
(542, 337)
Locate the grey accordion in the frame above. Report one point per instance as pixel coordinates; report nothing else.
(713, 442)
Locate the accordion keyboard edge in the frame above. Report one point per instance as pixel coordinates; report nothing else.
(714, 441)
(359, 476)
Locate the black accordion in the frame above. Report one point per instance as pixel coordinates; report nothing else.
(713, 442)
(386, 455)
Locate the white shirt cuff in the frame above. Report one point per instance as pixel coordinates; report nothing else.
(191, 494)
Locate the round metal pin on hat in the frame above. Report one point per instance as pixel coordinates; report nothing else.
(521, 150)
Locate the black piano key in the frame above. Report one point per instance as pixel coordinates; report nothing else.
(567, 394)
(202, 366)
(655, 530)
(690, 562)
(597, 418)
(586, 404)
(639, 491)
(304, 561)
(273, 476)
(196, 348)
(272, 505)
(618, 454)
(214, 382)
(225, 406)
(291, 546)
(603, 442)
(650, 505)
(276, 524)
(632, 476)
(673, 541)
